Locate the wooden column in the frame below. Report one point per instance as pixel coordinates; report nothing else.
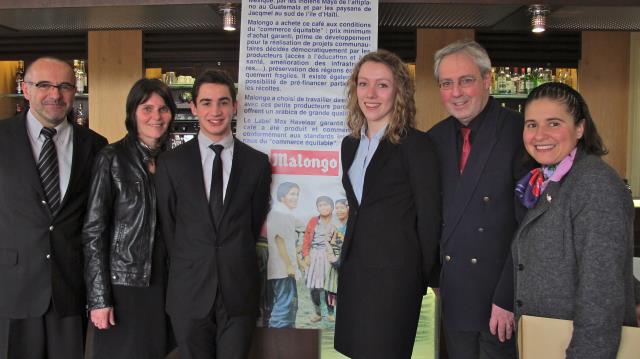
(429, 107)
(603, 77)
(633, 137)
(115, 63)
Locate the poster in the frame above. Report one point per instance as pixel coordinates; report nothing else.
(295, 59)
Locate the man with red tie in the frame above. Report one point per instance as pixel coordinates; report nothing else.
(481, 158)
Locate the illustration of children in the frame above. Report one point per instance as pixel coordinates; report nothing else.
(333, 254)
(317, 236)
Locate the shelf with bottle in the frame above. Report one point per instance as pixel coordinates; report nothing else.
(80, 84)
(518, 83)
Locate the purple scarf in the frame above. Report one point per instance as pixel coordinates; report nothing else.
(531, 186)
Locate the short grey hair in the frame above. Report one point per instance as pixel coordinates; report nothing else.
(477, 53)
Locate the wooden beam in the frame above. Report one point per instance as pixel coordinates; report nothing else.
(115, 64)
(604, 83)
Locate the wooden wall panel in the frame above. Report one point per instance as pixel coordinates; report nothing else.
(633, 138)
(429, 108)
(115, 61)
(604, 83)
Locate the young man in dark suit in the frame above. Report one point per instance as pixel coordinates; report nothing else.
(213, 196)
(481, 157)
(45, 167)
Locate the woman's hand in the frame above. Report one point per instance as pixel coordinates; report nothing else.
(103, 318)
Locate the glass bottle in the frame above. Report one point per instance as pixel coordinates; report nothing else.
(86, 75)
(81, 116)
(19, 76)
(508, 80)
(79, 77)
(502, 81)
(523, 82)
(530, 81)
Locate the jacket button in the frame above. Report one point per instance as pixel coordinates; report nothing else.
(486, 199)
(520, 267)
(447, 258)
(50, 228)
(474, 261)
(47, 256)
(43, 202)
(114, 277)
(519, 303)
(480, 229)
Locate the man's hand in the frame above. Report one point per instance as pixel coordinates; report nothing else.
(501, 323)
(102, 318)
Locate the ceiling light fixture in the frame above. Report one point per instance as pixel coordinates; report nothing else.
(538, 17)
(228, 17)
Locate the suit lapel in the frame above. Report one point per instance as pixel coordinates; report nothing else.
(348, 155)
(481, 149)
(544, 203)
(79, 159)
(194, 178)
(380, 157)
(234, 176)
(24, 160)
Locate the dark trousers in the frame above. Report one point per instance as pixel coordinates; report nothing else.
(478, 345)
(316, 294)
(45, 337)
(216, 336)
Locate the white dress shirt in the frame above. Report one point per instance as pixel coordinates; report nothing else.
(63, 140)
(366, 149)
(207, 156)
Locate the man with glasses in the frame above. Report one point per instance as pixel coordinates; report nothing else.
(481, 156)
(45, 167)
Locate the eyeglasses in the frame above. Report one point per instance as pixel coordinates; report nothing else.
(64, 87)
(463, 82)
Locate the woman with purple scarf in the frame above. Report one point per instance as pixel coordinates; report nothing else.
(573, 251)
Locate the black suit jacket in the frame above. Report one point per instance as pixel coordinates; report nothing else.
(479, 216)
(204, 258)
(390, 247)
(41, 254)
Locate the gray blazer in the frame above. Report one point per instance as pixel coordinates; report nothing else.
(573, 257)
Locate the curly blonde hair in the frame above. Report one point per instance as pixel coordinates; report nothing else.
(404, 107)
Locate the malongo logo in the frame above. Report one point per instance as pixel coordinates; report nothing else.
(298, 162)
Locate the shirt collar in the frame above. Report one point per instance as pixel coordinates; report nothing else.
(376, 137)
(205, 141)
(475, 124)
(34, 127)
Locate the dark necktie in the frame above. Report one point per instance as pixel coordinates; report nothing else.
(215, 192)
(466, 147)
(48, 169)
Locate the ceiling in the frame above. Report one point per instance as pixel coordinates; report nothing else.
(70, 15)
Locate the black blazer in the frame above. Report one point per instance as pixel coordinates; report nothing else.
(41, 255)
(203, 258)
(390, 247)
(479, 212)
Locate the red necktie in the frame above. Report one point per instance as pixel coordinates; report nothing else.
(466, 147)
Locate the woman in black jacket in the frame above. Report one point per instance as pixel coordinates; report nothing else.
(391, 177)
(125, 270)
